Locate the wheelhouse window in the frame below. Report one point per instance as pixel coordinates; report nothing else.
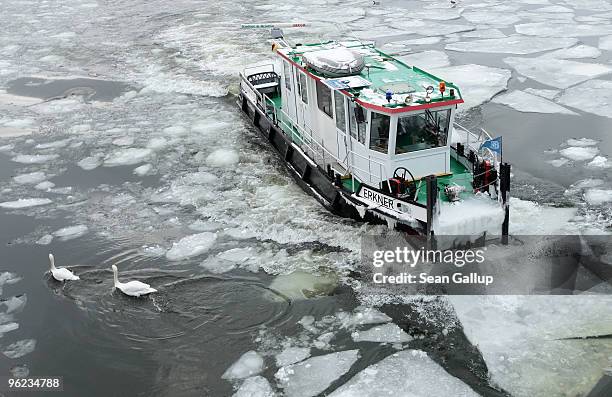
(287, 73)
(340, 111)
(357, 130)
(324, 99)
(422, 131)
(379, 132)
(303, 90)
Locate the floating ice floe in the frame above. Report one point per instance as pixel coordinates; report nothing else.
(129, 156)
(34, 158)
(143, 170)
(600, 162)
(426, 59)
(524, 102)
(25, 203)
(512, 45)
(15, 304)
(605, 43)
(478, 83)
(561, 73)
(556, 220)
(292, 355)
(30, 179)
(46, 185)
(490, 18)
(579, 153)
(7, 327)
(579, 51)
(300, 285)
(249, 364)
(45, 240)
(256, 386)
(520, 336)
(558, 162)
(312, 376)
(598, 196)
(222, 158)
(551, 29)
(548, 94)
(53, 145)
(582, 142)
(123, 141)
(192, 245)
(593, 96)
(386, 333)
(70, 232)
(362, 315)
(90, 163)
(410, 372)
(19, 348)
(491, 33)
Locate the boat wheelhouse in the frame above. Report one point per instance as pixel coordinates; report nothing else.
(370, 136)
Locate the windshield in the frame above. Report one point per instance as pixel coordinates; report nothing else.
(422, 131)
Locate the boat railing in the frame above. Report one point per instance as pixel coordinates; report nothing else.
(474, 140)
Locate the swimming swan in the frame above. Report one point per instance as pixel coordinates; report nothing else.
(61, 273)
(132, 288)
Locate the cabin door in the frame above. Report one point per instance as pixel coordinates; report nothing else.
(303, 113)
(341, 122)
(359, 156)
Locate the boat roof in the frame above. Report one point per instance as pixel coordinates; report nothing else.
(382, 73)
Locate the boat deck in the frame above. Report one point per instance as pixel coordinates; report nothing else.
(384, 73)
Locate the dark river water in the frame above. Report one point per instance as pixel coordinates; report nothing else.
(123, 116)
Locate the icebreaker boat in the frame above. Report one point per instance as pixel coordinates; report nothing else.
(374, 139)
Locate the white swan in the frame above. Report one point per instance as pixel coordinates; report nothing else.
(61, 273)
(132, 288)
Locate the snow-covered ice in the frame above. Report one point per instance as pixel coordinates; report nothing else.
(579, 51)
(256, 386)
(143, 170)
(478, 83)
(312, 376)
(409, 373)
(524, 102)
(581, 142)
(385, 333)
(249, 364)
(25, 203)
(559, 73)
(579, 153)
(516, 44)
(192, 245)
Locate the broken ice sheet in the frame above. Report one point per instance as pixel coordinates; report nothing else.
(516, 44)
(249, 364)
(312, 376)
(548, 29)
(256, 386)
(579, 51)
(579, 153)
(521, 339)
(582, 97)
(426, 59)
(524, 102)
(478, 83)
(561, 73)
(386, 333)
(408, 371)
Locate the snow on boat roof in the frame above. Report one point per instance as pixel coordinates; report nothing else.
(383, 72)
